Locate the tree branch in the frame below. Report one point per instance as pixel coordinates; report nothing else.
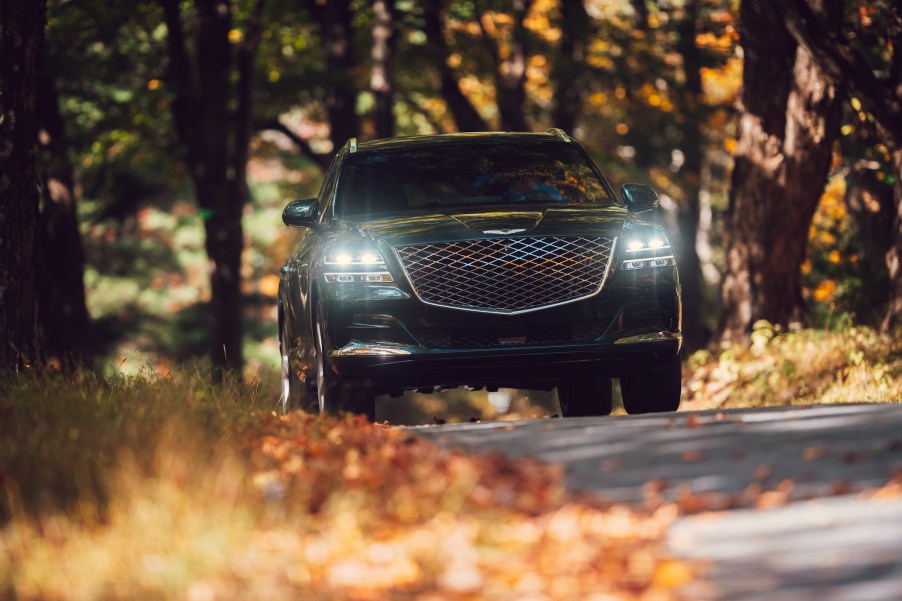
(846, 66)
(323, 160)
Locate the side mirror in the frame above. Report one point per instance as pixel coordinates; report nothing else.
(300, 213)
(639, 198)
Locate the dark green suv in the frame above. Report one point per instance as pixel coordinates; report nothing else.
(479, 260)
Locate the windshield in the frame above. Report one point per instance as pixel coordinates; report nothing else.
(467, 175)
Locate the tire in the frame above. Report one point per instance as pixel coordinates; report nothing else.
(653, 392)
(296, 394)
(584, 394)
(334, 394)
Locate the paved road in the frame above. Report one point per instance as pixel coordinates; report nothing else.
(844, 547)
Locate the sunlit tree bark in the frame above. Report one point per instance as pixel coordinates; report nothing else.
(789, 116)
(881, 97)
(21, 40)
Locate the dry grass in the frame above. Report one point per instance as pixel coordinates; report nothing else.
(804, 367)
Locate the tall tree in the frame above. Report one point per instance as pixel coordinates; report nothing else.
(570, 64)
(510, 67)
(65, 323)
(21, 39)
(880, 96)
(691, 116)
(382, 82)
(337, 41)
(789, 117)
(466, 117)
(216, 141)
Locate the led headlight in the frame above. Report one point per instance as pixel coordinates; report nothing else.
(648, 250)
(348, 262)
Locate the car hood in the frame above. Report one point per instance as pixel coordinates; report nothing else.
(448, 226)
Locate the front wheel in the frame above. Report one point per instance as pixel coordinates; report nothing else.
(334, 393)
(584, 394)
(296, 393)
(653, 392)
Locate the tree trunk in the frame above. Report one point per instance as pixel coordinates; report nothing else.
(216, 143)
(893, 318)
(510, 69)
(695, 332)
(466, 117)
(382, 72)
(570, 64)
(882, 98)
(21, 39)
(337, 41)
(215, 192)
(789, 119)
(63, 314)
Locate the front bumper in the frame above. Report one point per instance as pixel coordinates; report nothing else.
(386, 336)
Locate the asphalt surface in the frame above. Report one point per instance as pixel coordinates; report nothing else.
(777, 499)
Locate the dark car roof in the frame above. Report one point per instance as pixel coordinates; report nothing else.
(461, 138)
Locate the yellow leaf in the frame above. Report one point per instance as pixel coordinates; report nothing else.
(672, 574)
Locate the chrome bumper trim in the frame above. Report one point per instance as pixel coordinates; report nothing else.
(654, 337)
(382, 349)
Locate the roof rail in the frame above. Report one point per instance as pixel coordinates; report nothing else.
(352, 145)
(556, 131)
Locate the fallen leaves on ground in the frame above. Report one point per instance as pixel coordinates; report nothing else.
(336, 508)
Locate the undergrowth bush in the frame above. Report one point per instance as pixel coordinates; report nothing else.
(801, 367)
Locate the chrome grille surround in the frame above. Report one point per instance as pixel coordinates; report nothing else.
(507, 275)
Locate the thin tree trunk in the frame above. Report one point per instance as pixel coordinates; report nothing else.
(789, 119)
(466, 117)
(382, 72)
(695, 332)
(337, 41)
(893, 318)
(21, 40)
(63, 313)
(570, 65)
(510, 69)
(216, 143)
(215, 195)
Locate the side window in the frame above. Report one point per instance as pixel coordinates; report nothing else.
(327, 192)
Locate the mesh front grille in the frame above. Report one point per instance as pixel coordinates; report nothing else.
(508, 275)
(580, 331)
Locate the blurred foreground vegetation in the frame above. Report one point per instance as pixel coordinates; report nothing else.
(152, 487)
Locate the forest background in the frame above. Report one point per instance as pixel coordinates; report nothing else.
(170, 135)
(147, 148)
